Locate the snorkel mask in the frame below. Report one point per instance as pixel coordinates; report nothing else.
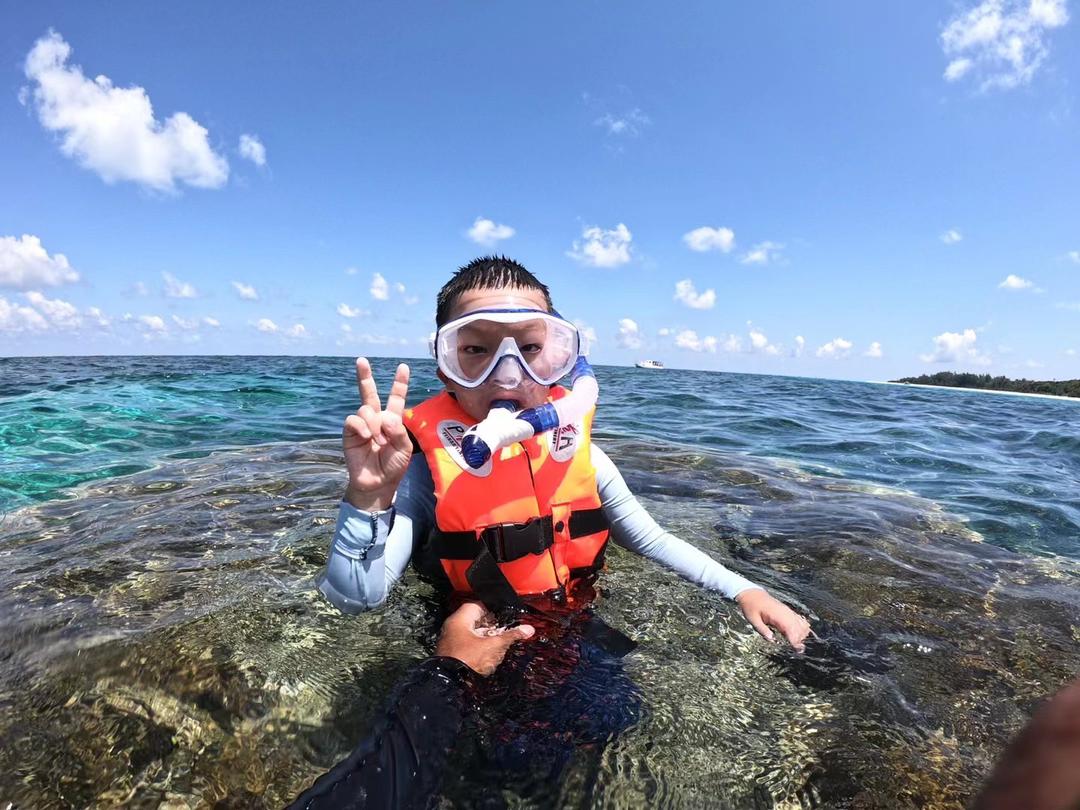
(501, 345)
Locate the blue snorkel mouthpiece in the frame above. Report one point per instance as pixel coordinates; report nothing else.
(475, 449)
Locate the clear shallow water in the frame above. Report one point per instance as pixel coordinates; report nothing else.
(160, 640)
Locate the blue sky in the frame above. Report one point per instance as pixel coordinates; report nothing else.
(850, 190)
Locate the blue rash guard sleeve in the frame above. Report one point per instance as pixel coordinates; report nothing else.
(370, 551)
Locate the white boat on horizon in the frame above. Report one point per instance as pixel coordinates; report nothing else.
(649, 364)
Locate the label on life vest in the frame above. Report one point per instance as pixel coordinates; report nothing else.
(564, 441)
(450, 433)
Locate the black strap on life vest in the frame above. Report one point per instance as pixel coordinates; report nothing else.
(492, 588)
(506, 542)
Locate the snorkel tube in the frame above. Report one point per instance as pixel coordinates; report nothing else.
(505, 424)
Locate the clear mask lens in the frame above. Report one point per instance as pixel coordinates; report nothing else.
(499, 344)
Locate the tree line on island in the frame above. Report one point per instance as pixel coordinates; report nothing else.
(951, 379)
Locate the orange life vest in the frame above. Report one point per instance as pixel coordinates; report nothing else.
(533, 506)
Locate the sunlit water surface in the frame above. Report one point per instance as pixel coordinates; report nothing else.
(164, 519)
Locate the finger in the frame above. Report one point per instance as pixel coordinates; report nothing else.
(365, 382)
(508, 638)
(395, 432)
(399, 390)
(374, 423)
(354, 424)
(795, 632)
(468, 615)
(759, 625)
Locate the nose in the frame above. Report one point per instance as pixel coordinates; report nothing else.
(507, 373)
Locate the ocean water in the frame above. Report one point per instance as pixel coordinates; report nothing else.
(162, 521)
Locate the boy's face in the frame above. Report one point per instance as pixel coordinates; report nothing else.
(477, 401)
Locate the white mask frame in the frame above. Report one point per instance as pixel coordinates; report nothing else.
(563, 345)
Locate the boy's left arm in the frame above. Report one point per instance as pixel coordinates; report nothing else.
(633, 528)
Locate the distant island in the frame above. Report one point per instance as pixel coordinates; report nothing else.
(1058, 388)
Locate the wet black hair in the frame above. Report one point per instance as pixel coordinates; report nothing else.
(484, 273)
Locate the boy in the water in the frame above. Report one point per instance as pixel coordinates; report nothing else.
(531, 524)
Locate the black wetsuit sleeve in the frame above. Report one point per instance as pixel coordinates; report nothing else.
(400, 762)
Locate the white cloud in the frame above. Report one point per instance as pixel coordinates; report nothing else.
(1071, 352)
(951, 236)
(1074, 256)
(1002, 43)
(266, 325)
(24, 264)
(762, 253)
(664, 331)
(688, 339)
(214, 323)
(800, 346)
(958, 68)
(297, 330)
(1014, 282)
(48, 314)
(98, 318)
(152, 323)
(380, 290)
(732, 344)
(705, 239)
(175, 288)
(185, 323)
(485, 232)
(685, 292)
(399, 288)
(59, 314)
(629, 123)
(760, 343)
(602, 248)
(835, 348)
(245, 291)
(956, 347)
(112, 130)
(346, 328)
(628, 336)
(252, 149)
(874, 351)
(139, 288)
(586, 332)
(345, 311)
(19, 318)
(367, 338)
(351, 271)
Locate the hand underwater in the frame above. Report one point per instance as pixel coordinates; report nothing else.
(470, 636)
(764, 611)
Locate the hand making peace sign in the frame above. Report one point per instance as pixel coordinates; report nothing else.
(377, 446)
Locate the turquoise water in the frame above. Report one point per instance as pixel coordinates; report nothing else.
(164, 519)
(1010, 466)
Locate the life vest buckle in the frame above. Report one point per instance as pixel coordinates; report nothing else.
(512, 541)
